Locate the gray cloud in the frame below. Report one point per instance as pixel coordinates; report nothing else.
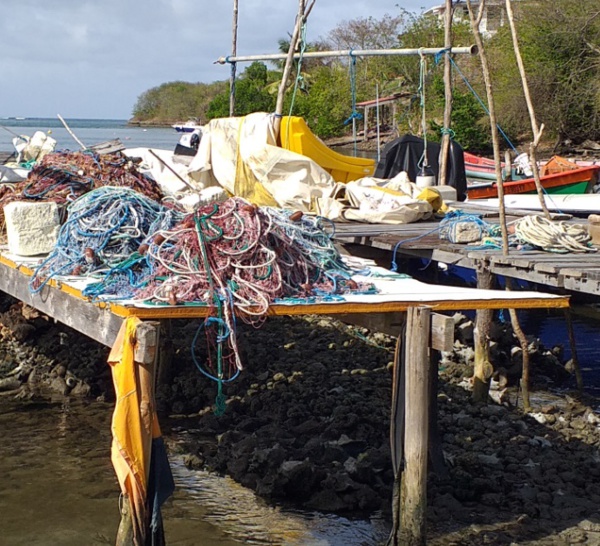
(85, 58)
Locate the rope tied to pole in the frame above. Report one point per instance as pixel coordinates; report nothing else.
(355, 113)
(299, 83)
(422, 81)
(448, 131)
(440, 54)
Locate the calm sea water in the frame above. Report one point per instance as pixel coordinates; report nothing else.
(89, 132)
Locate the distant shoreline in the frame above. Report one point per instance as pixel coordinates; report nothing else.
(159, 124)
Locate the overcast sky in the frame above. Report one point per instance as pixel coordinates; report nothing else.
(93, 58)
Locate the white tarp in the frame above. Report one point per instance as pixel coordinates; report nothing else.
(242, 152)
(240, 155)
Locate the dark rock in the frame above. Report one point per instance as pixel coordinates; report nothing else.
(326, 501)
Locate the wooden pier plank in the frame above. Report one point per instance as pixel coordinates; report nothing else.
(573, 271)
(96, 322)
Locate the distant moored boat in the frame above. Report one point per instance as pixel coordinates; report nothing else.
(188, 127)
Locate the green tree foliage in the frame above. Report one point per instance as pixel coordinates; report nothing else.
(175, 101)
(251, 94)
(560, 45)
(470, 125)
(326, 104)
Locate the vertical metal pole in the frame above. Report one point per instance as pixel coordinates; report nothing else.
(378, 121)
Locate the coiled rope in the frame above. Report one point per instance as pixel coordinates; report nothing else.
(560, 237)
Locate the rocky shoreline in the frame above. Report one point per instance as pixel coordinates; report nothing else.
(307, 423)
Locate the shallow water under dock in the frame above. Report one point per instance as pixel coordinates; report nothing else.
(58, 487)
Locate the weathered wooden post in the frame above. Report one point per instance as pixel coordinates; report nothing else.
(164, 359)
(412, 421)
(234, 31)
(414, 478)
(447, 94)
(483, 321)
(573, 345)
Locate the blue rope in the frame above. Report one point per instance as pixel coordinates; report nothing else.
(449, 223)
(440, 55)
(394, 266)
(232, 86)
(355, 113)
(483, 105)
(222, 336)
(103, 232)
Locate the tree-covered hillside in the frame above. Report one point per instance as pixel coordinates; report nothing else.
(560, 44)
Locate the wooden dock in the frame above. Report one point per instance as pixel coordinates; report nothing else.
(576, 272)
(134, 333)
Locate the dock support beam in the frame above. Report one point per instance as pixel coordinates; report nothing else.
(416, 434)
(483, 321)
(409, 431)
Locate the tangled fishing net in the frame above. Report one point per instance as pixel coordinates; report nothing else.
(232, 257)
(62, 177)
(103, 230)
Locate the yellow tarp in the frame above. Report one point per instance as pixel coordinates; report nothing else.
(134, 424)
(295, 135)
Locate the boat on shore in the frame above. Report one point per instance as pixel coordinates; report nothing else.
(578, 205)
(478, 167)
(558, 176)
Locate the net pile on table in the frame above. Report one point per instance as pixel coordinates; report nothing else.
(236, 259)
(103, 231)
(62, 177)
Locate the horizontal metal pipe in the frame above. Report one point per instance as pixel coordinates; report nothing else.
(470, 50)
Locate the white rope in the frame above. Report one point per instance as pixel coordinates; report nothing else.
(553, 236)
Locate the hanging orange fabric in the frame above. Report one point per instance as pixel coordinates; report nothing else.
(132, 427)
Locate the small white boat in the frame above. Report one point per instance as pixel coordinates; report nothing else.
(188, 127)
(575, 204)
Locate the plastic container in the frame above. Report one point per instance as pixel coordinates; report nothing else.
(425, 178)
(594, 228)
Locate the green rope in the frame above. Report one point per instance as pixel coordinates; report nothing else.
(447, 131)
(202, 238)
(299, 83)
(220, 399)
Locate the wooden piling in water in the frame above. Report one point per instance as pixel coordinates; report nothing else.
(414, 478)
